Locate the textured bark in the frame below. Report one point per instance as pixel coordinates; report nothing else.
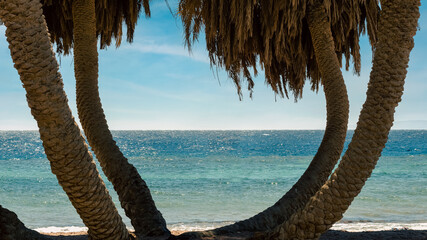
(332, 143)
(397, 26)
(133, 192)
(11, 228)
(64, 145)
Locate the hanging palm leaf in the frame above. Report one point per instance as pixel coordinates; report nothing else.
(110, 16)
(241, 34)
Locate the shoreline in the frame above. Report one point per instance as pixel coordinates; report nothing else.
(346, 230)
(329, 235)
(343, 225)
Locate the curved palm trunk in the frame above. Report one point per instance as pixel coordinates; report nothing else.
(12, 228)
(133, 192)
(64, 145)
(397, 26)
(332, 143)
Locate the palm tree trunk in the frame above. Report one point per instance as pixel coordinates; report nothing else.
(12, 228)
(64, 145)
(133, 192)
(332, 144)
(397, 27)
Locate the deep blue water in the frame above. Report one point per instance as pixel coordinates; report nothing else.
(200, 178)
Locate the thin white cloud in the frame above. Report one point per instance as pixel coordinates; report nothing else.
(410, 124)
(167, 49)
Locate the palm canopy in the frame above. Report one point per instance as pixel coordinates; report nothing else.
(274, 34)
(110, 16)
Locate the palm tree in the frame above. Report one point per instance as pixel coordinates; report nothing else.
(293, 40)
(133, 192)
(64, 145)
(397, 27)
(12, 228)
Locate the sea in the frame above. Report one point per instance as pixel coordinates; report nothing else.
(206, 179)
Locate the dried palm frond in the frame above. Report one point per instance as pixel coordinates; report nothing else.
(274, 34)
(110, 15)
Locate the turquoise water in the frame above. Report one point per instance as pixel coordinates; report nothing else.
(201, 179)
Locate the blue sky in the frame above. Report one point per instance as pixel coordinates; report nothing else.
(154, 83)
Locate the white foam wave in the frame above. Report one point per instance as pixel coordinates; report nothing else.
(343, 226)
(70, 229)
(378, 226)
(53, 229)
(196, 226)
(200, 226)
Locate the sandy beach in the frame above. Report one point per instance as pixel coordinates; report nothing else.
(342, 230)
(330, 235)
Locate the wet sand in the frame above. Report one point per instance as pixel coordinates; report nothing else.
(330, 235)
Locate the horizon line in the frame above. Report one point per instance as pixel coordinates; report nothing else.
(308, 129)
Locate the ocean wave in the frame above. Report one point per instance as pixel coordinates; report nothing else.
(196, 226)
(201, 226)
(53, 229)
(378, 226)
